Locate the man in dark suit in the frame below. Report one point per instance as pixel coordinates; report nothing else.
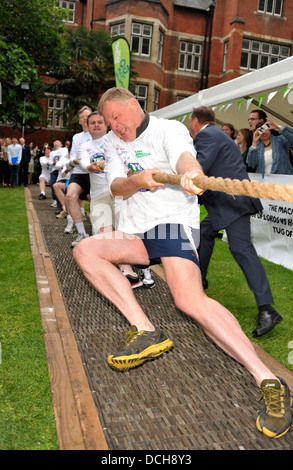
(25, 159)
(219, 156)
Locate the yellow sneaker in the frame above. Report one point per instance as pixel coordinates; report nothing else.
(141, 346)
(275, 420)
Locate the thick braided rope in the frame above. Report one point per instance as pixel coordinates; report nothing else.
(273, 191)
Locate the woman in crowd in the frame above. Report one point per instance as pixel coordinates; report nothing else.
(242, 143)
(269, 153)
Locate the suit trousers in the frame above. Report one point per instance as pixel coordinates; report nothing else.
(242, 249)
(23, 173)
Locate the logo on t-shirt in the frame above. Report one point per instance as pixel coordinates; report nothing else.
(97, 157)
(140, 153)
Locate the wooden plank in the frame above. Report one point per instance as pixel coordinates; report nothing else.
(77, 422)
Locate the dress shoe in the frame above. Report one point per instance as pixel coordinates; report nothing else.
(267, 319)
(205, 283)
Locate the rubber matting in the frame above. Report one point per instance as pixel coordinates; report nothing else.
(194, 397)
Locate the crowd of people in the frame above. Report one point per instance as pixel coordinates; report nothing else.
(155, 222)
(19, 162)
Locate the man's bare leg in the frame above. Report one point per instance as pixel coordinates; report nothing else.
(98, 258)
(59, 192)
(72, 202)
(217, 322)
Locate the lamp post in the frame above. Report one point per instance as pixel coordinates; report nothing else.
(24, 86)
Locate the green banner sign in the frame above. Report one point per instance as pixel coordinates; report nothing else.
(121, 57)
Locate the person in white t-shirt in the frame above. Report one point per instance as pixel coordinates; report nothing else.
(57, 153)
(102, 209)
(149, 215)
(59, 188)
(90, 156)
(79, 184)
(46, 168)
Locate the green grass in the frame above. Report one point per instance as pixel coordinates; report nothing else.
(26, 411)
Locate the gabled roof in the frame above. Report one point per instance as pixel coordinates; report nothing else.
(196, 4)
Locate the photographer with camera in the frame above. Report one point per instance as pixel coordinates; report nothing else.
(269, 152)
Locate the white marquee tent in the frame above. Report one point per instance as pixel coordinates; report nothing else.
(270, 88)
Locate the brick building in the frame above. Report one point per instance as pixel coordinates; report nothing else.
(182, 46)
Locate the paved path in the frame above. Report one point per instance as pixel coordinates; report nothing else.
(192, 398)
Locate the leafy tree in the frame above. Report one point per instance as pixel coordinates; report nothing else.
(88, 72)
(30, 42)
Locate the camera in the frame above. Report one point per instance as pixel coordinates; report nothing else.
(263, 128)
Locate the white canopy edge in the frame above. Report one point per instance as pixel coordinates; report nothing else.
(270, 77)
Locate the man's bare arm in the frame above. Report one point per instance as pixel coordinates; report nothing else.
(189, 167)
(126, 187)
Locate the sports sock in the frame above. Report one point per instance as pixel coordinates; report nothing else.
(80, 228)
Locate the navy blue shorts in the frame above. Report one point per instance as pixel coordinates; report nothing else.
(170, 240)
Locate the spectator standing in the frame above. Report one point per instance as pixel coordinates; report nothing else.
(31, 165)
(229, 129)
(241, 140)
(25, 159)
(256, 117)
(14, 158)
(270, 153)
(219, 157)
(4, 165)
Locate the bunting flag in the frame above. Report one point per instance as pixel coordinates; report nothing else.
(121, 58)
(260, 99)
(248, 103)
(286, 92)
(270, 96)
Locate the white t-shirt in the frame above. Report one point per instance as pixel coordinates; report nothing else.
(159, 146)
(61, 166)
(90, 152)
(46, 165)
(56, 155)
(268, 161)
(77, 140)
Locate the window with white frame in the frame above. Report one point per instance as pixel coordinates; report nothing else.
(160, 46)
(225, 56)
(156, 99)
(70, 9)
(55, 115)
(141, 39)
(189, 56)
(257, 54)
(141, 94)
(118, 29)
(270, 7)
